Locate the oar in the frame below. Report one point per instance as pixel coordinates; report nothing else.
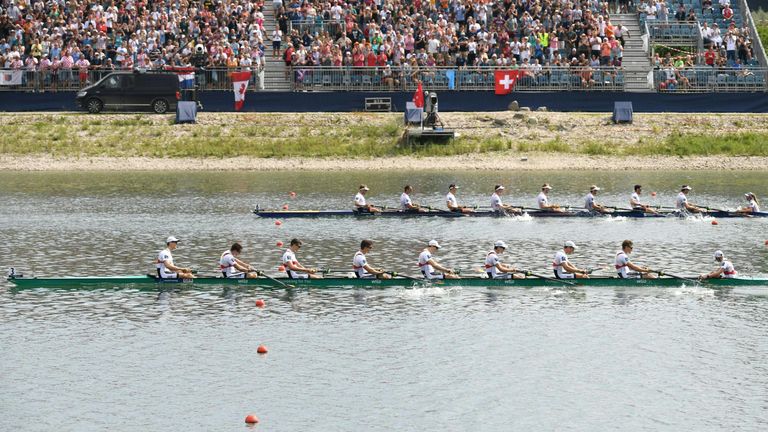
(279, 282)
(663, 273)
(561, 281)
(396, 274)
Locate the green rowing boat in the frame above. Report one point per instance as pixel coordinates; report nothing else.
(146, 281)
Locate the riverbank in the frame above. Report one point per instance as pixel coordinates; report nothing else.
(345, 141)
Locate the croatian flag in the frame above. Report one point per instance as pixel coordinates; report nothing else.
(505, 81)
(240, 85)
(186, 80)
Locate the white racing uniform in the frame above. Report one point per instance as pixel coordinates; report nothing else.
(290, 257)
(542, 200)
(360, 200)
(450, 199)
(405, 202)
(227, 266)
(491, 260)
(557, 265)
(589, 202)
(426, 268)
(753, 205)
(729, 272)
(496, 204)
(162, 271)
(634, 200)
(681, 201)
(622, 259)
(358, 265)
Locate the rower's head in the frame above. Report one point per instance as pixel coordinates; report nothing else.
(569, 247)
(749, 196)
(719, 256)
(546, 188)
(408, 189)
(685, 189)
(295, 245)
(433, 246)
(627, 246)
(366, 246)
(363, 189)
(499, 246)
(498, 189)
(172, 242)
(594, 189)
(452, 188)
(638, 189)
(236, 249)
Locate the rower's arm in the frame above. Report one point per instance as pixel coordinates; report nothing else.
(242, 265)
(372, 270)
(570, 268)
(691, 207)
(451, 207)
(299, 268)
(505, 269)
(439, 267)
(637, 268)
(172, 267)
(714, 274)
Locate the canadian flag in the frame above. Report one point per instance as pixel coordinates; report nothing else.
(240, 84)
(505, 81)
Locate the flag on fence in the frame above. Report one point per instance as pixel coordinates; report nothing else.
(418, 97)
(505, 81)
(240, 85)
(451, 75)
(186, 76)
(10, 77)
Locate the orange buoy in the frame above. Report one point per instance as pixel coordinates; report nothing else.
(281, 269)
(279, 243)
(715, 222)
(285, 206)
(261, 349)
(292, 194)
(278, 223)
(653, 193)
(251, 419)
(766, 242)
(260, 303)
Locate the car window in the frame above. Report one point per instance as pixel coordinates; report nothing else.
(112, 82)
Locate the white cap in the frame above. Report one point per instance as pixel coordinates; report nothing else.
(569, 244)
(748, 195)
(686, 187)
(364, 187)
(500, 243)
(498, 187)
(718, 254)
(434, 243)
(546, 186)
(594, 188)
(171, 239)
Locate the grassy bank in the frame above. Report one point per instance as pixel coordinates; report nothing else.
(377, 135)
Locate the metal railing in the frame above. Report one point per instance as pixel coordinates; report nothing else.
(757, 43)
(705, 79)
(335, 28)
(677, 33)
(447, 78)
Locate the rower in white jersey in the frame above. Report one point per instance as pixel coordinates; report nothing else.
(233, 267)
(725, 268)
(360, 204)
(753, 206)
(624, 265)
(452, 203)
(682, 204)
(166, 269)
(406, 204)
(591, 205)
(498, 206)
(636, 204)
(563, 268)
(495, 269)
(428, 264)
(543, 200)
(292, 266)
(360, 265)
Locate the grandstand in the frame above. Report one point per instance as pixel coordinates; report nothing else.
(670, 46)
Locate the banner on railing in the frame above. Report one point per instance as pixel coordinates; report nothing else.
(505, 81)
(10, 77)
(240, 85)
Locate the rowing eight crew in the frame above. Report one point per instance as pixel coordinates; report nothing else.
(590, 202)
(233, 267)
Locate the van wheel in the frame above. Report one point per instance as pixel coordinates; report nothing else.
(160, 106)
(94, 106)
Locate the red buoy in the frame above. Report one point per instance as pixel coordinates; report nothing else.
(279, 243)
(260, 303)
(714, 222)
(653, 194)
(292, 194)
(278, 223)
(281, 269)
(261, 349)
(285, 206)
(251, 419)
(766, 242)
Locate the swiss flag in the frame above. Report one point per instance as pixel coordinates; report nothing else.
(418, 97)
(505, 81)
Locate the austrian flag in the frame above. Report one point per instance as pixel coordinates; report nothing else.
(240, 85)
(505, 81)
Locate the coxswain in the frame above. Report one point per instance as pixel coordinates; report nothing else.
(753, 206)
(233, 267)
(591, 205)
(360, 205)
(361, 267)
(498, 206)
(635, 204)
(406, 204)
(166, 269)
(682, 204)
(452, 203)
(724, 270)
(624, 265)
(563, 268)
(495, 269)
(428, 265)
(543, 200)
(292, 266)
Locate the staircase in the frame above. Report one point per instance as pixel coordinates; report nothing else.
(635, 62)
(275, 78)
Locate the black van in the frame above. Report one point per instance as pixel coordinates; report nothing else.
(131, 91)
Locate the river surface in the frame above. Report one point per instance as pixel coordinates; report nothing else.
(588, 359)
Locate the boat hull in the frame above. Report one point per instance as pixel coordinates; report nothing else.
(280, 214)
(143, 282)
